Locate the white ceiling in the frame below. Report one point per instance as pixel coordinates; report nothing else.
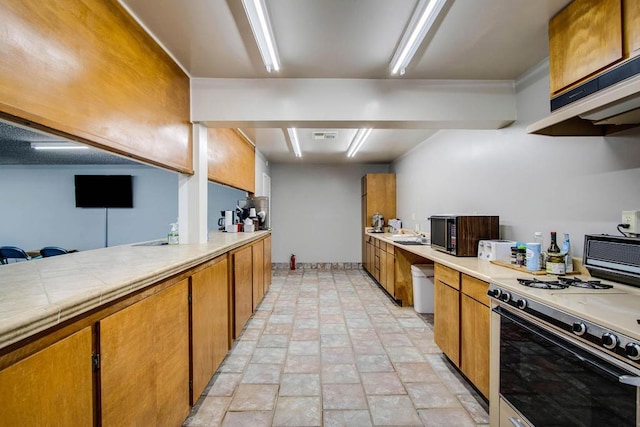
(350, 39)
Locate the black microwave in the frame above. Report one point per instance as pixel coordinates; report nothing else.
(459, 234)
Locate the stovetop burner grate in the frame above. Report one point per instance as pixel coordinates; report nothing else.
(587, 284)
(562, 283)
(542, 284)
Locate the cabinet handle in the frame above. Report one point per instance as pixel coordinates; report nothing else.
(630, 380)
(516, 422)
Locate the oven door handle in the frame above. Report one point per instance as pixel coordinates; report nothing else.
(630, 380)
(584, 355)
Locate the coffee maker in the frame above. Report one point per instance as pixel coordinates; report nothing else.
(377, 222)
(261, 206)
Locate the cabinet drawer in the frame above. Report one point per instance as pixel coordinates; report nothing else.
(447, 275)
(383, 245)
(475, 288)
(376, 242)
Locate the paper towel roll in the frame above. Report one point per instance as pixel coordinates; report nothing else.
(228, 218)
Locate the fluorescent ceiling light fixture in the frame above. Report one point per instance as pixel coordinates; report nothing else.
(256, 11)
(295, 144)
(57, 146)
(357, 141)
(419, 25)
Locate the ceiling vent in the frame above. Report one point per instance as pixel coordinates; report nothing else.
(319, 136)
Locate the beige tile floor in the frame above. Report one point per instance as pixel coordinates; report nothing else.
(329, 348)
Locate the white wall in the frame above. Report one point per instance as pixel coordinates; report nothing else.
(38, 207)
(577, 185)
(316, 211)
(262, 167)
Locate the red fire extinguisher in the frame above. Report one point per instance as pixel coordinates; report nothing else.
(293, 262)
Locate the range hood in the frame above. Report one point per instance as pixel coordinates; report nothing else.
(605, 105)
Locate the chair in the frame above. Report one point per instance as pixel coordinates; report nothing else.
(48, 251)
(11, 252)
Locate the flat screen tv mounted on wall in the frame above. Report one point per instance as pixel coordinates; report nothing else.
(104, 191)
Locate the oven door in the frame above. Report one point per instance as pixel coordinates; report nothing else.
(552, 381)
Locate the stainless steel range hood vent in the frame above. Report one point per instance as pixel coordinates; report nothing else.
(603, 112)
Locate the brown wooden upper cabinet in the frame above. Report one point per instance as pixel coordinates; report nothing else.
(588, 37)
(379, 195)
(231, 159)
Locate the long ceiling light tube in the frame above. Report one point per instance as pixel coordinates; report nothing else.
(295, 144)
(357, 141)
(57, 146)
(421, 22)
(256, 11)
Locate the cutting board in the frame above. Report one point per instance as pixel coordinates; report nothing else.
(523, 269)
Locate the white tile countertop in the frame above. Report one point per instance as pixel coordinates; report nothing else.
(617, 308)
(36, 295)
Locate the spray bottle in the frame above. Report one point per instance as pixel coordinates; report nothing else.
(172, 237)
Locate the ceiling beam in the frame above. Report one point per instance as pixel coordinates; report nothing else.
(389, 103)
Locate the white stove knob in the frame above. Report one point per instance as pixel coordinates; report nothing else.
(506, 296)
(521, 303)
(609, 341)
(579, 328)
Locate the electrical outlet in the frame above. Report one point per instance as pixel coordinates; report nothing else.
(633, 219)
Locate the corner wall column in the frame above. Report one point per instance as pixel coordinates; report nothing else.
(192, 192)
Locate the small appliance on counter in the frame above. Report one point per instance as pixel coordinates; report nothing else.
(613, 257)
(395, 225)
(256, 207)
(495, 250)
(459, 235)
(377, 222)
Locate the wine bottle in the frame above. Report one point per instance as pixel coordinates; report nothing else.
(553, 247)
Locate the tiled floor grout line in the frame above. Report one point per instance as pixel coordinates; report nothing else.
(338, 295)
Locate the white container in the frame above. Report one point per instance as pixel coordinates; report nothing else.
(422, 278)
(249, 228)
(495, 250)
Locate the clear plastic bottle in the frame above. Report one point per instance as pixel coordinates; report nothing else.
(537, 238)
(172, 237)
(566, 250)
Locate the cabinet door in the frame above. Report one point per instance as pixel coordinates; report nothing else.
(584, 37)
(242, 287)
(209, 323)
(391, 276)
(370, 256)
(144, 352)
(382, 255)
(474, 338)
(258, 273)
(446, 320)
(267, 263)
(381, 196)
(53, 387)
(376, 262)
(631, 27)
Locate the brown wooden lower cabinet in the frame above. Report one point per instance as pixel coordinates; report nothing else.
(52, 387)
(242, 285)
(257, 251)
(446, 320)
(210, 322)
(475, 332)
(267, 263)
(390, 262)
(151, 345)
(144, 361)
(474, 342)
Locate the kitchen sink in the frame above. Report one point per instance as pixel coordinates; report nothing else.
(410, 242)
(153, 243)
